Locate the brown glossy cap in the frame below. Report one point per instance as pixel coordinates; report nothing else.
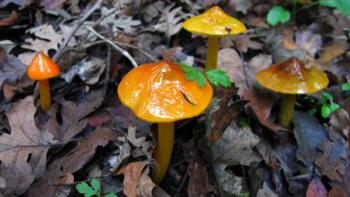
(42, 67)
(291, 77)
(214, 22)
(159, 92)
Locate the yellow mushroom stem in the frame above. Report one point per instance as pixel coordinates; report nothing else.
(212, 53)
(44, 91)
(287, 109)
(165, 143)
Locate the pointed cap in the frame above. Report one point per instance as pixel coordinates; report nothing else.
(159, 92)
(214, 22)
(42, 67)
(291, 77)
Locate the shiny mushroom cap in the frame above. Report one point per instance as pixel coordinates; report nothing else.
(42, 67)
(214, 22)
(291, 77)
(159, 92)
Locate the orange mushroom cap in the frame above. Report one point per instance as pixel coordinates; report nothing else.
(214, 22)
(159, 92)
(291, 77)
(42, 67)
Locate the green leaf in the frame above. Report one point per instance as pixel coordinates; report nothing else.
(325, 111)
(342, 5)
(277, 14)
(192, 73)
(110, 195)
(218, 77)
(334, 107)
(96, 185)
(326, 96)
(345, 86)
(84, 188)
(243, 121)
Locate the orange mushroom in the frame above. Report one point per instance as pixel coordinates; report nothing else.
(42, 69)
(159, 93)
(291, 78)
(214, 23)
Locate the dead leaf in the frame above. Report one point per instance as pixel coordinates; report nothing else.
(46, 38)
(309, 134)
(10, 20)
(122, 153)
(309, 41)
(316, 188)
(23, 152)
(227, 181)
(71, 162)
(240, 5)
(332, 158)
(10, 90)
(336, 192)
(261, 104)
(132, 175)
(11, 68)
(235, 147)
(244, 42)
(73, 115)
(266, 191)
(52, 4)
(146, 185)
(198, 184)
(332, 51)
(21, 3)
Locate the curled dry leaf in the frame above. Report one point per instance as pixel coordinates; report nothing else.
(11, 68)
(133, 175)
(71, 162)
(10, 20)
(23, 152)
(261, 104)
(316, 188)
(73, 115)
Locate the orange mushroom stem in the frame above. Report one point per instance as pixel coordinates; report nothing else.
(214, 23)
(290, 78)
(42, 69)
(160, 93)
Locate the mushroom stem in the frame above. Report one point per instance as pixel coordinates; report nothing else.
(287, 109)
(212, 53)
(44, 91)
(165, 142)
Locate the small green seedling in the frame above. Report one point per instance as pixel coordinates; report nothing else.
(345, 86)
(215, 76)
(243, 121)
(327, 105)
(93, 190)
(277, 14)
(245, 194)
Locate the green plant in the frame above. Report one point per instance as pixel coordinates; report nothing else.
(215, 76)
(327, 105)
(277, 14)
(93, 190)
(345, 86)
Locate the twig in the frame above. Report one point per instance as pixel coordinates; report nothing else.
(116, 47)
(76, 27)
(108, 64)
(149, 56)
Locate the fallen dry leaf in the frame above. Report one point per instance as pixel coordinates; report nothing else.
(332, 51)
(23, 152)
(71, 162)
(308, 41)
(261, 104)
(10, 20)
(244, 42)
(73, 115)
(336, 192)
(52, 4)
(316, 188)
(266, 191)
(11, 68)
(132, 175)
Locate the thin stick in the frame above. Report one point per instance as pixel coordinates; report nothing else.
(76, 27)
(116, 47)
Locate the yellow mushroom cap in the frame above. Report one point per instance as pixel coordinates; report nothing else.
(291, 77)
(214, 22)
(159, 92)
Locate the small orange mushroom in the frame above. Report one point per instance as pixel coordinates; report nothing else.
(214, 23)
(290, 78)
(160, 93)
(42, 69)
